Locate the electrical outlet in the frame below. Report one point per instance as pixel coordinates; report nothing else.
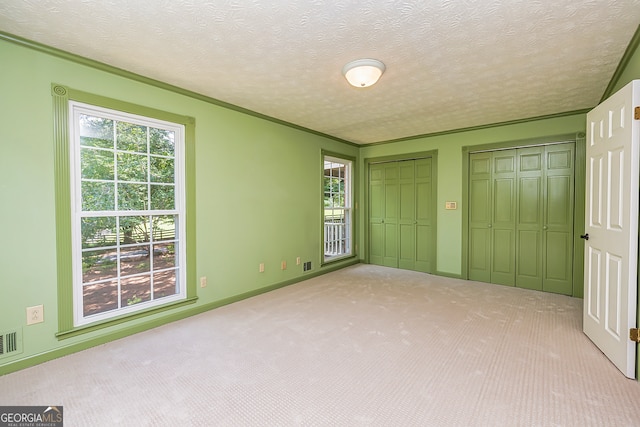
(203, 282)
(283, 265)
(261, 267)
(35, 314)
(298, 261)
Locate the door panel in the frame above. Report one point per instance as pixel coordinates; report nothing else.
(391, 199)
(504, 218)
(376, 214)
(407, 244)
(480, 216)
(611, 253)
(390, 256)
(558, 262)
(530, 210)
(376, 243)
(424, 207)
(558, 219)
(407, 252)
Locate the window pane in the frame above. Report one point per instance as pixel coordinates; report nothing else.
(96, 131)
(162, 170)
(134, 260)
(164, 256)
(134, 229)
(99, 297)
(162, 142)
(96, 164)
(132, 196)
(99, 265)
(132, 167)
(98, 232)
(131, 137)
(97, 196)
(135, 290)
(164, 284)
(164, 227)
(125, 170)
(337, 220)
(162, 197)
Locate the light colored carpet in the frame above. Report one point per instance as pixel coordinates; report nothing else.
(362, 346)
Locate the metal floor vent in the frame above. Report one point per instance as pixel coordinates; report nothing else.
(10, 343)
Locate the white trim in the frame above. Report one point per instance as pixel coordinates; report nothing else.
(343, 247)
(75, 109)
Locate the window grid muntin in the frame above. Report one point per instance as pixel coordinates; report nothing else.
(176, 131)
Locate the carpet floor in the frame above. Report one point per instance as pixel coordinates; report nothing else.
(362, 346)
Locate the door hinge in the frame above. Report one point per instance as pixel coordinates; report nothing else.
(636, 113)
(634, 335)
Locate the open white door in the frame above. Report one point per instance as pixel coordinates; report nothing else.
(611, 249)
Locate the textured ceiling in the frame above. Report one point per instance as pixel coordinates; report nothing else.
(450, 63)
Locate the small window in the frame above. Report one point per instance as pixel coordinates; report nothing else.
(128, 212)
(337, 208)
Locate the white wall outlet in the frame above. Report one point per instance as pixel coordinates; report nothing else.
(283, 265)
(203, 282)
(298, 261)
(261, 267)
(35, 314)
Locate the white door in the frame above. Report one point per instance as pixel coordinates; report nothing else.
(611, 251)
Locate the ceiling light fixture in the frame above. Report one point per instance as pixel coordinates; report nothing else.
(363, 72)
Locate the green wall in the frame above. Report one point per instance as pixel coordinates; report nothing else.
(258, 197)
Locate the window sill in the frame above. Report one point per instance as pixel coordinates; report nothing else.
(337, 259)
(84, 329)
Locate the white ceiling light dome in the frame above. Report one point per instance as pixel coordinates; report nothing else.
(363, 72)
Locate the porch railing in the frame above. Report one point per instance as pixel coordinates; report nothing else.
(335, 239)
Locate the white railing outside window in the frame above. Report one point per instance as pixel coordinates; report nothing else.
(335, 239)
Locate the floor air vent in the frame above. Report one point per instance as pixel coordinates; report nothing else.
(10, 343)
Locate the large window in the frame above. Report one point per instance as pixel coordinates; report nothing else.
(128, 212)
(337, 213)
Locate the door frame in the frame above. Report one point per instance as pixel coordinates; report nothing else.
(433, 154)
(578, 139)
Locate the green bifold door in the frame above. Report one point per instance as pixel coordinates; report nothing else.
(401, 217)
(521, 204)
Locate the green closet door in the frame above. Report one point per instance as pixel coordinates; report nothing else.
(480, 216)
(401, 214)
(425, 247)
(504, 218)
(376, 214)
(530, 213)
(383, 214)
(390, 220)
(558, 219)
(407, 221)
(521, 206)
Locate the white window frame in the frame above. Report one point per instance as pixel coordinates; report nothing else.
(337, 243)
(179, 211)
